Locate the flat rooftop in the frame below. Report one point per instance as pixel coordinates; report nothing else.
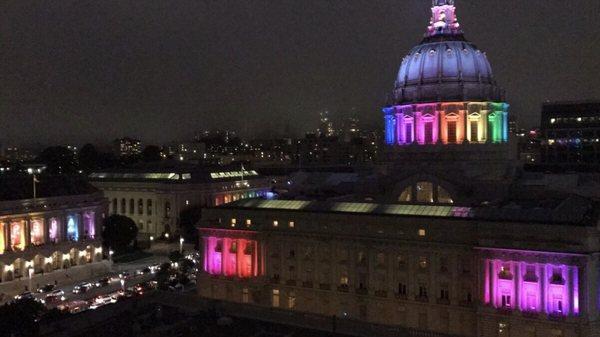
(575, 211)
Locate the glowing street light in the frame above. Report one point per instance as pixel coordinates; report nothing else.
(30, 271)
(181, 245)
(166, 235)
(122, 284)
(110, 254)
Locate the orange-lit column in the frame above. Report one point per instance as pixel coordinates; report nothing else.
(443, 126)
(461, 126)
(255, 271)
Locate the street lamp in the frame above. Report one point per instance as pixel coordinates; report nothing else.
(122, 284)
(151, 240)
(110, 254)
(181, 245)
(30, 272)
(167, 236)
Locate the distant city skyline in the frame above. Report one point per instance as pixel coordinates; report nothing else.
(93, 72)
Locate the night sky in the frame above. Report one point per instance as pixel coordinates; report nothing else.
(91, 71)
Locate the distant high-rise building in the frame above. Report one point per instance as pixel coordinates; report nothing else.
(350, 128)
(325, 126)
(125, 147)
(570, 134)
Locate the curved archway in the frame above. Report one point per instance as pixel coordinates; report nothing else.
(424, 189)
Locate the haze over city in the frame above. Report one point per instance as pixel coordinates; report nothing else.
(76, 72)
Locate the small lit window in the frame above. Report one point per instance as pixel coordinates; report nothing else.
(422, 232)
(233, 222)
(502, 328)
(248, 222)
(552, 120)
(292, 224)
(275, 223)
(187, 202)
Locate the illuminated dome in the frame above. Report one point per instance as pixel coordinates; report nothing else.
(445, 67)
(445, 91)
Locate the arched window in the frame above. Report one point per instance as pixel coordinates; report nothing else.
(149, 207)
(131, 206)
(443, 196)
(114, 206)
(425, 191)
(406, 195)
(123, 206)
(140, 206)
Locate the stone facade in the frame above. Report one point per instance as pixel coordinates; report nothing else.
(46, 235)
(424, 272)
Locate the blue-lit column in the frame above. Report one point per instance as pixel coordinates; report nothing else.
(505, 124)
(390, 126)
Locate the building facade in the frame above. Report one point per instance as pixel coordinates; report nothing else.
(45, 236)
(442, 269)
(570, 133)
(154, 199)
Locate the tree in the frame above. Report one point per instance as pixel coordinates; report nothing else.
(118, 232)
(188, 219)
(20, 318)
(58, 160)
(151, 153)
(88, 158)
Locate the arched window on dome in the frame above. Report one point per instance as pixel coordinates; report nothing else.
(406, 195)
(443, 196)
(425, 192)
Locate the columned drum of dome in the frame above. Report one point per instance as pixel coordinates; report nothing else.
(445, 92)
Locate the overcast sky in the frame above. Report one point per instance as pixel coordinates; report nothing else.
(91, 71)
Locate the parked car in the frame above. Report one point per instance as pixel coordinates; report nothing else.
(176, 287)
(24, 295)
(57, 292)
(125, 275)
(102, 301)
(55, 298)
(74, 307)
(82, 287)
(103, 282)
(46, 289)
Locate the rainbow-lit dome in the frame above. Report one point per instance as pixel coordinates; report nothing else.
(445, 91)
(445, 67)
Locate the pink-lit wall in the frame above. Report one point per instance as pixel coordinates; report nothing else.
(532, 287)
(230, 257)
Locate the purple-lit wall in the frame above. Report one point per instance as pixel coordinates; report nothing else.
(532, 287)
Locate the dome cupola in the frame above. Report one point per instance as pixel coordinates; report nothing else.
(445, 66)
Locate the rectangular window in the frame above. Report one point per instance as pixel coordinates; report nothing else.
(292, 224)
(275, 223)
(409, 132)
(474, 131)
(149, 207)
(428, 132)
(422, 232)
(452, 132)
(275, 298)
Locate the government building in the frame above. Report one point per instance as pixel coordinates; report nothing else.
(446, 239)
(51, 239)
(154, 196)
